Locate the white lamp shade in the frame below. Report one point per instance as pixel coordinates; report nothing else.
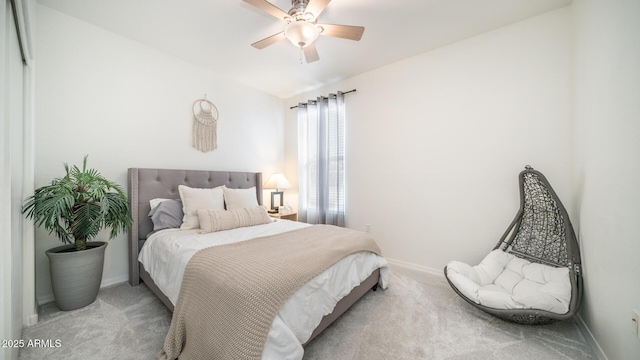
(277, 181)
(301, 33)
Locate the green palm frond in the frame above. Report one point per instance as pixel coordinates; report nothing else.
(87, 220)
(80, 204)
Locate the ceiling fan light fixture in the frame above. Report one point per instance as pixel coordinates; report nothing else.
(301, 33)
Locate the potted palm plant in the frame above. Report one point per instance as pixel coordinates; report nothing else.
(76, 208)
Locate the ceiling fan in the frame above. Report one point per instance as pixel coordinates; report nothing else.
(302, 27)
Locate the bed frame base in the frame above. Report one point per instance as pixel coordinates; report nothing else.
(146, 278)
(346, 302)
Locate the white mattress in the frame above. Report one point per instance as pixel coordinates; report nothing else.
(166, 253)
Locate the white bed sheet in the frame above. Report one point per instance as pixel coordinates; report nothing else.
(166, 253)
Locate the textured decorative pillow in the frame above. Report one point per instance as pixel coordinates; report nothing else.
(219, 220)
(240, 198)
(194, 199)
(166, 214)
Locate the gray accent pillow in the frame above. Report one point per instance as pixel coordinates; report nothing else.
(167, 215)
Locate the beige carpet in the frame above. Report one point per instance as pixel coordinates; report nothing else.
(418, 317)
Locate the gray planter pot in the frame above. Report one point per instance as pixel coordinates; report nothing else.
(76, 275)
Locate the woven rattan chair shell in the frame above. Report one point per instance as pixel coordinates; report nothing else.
(542, 233)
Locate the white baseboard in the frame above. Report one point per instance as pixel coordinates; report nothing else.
(590, 338)
(114, 281)
(31, 320)
(421, 268)
(47, 298)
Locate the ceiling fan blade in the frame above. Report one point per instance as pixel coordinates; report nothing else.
(342, 31)
(269, 8)
(268, 41)
(310, 53)
(316, 7)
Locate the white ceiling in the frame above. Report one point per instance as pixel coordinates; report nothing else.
(216, 34)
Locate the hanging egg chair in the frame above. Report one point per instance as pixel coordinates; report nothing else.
(533, 275)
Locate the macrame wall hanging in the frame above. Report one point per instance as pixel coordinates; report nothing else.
(205, 123)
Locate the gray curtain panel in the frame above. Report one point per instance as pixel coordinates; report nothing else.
(321, 160)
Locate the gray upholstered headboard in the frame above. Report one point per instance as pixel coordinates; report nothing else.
(147, 184)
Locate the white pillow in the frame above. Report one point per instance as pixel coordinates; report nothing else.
(153, 203)
(240, 198)
(219, 220)
(194, 199)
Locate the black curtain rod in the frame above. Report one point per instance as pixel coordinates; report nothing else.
(346, 92)
(15, 20)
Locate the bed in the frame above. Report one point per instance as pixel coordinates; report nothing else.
(146, 185)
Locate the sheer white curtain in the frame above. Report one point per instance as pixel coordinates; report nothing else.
(321, 160)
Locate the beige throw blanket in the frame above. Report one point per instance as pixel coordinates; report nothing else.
(231, 293)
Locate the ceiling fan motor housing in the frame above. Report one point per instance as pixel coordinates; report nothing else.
(298, 7)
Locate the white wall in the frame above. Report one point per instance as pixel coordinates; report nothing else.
(435, 142)
(606, 167)
(128, 105)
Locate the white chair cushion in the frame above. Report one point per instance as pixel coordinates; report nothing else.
(504, 281)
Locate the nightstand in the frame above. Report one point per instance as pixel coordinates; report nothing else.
(289, 216)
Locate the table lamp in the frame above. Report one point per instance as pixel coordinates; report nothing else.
(278, 182)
